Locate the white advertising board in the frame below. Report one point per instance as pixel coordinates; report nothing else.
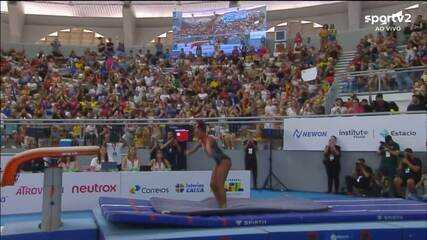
(192, 185)
(356, 133)
(81, 190)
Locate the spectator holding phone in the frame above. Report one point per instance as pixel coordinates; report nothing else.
(332, 155)
(160, 163)
(171, 149)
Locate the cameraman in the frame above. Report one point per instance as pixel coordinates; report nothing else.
(361, 179)
(389, 151)
(332, 154)
(409, 173)
(171, 150)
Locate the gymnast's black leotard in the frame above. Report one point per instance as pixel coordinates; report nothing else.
(217, 154)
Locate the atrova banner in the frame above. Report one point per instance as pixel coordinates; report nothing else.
(355, 133)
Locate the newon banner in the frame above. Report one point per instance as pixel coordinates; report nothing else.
(355, 133)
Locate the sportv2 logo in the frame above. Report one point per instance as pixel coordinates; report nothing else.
(189, 187)
(303, 133)
(385, 19)
(144, 189)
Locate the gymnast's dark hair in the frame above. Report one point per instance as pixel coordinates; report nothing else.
(201, 125)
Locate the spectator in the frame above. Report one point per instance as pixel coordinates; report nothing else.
(410, 171)
(160, 163)
(96, 162)
(332, 155)
(69, 164)
(109, 47)
(379, 105)
(416, 104)
(171, 150)
(362, 179)
(114, 152)
(130, 161)
(366, 107)
(101, 46)
(356, 107)
(56, 45)
(389, 152)
(419, 25)
(339, 107)
(323, 34)
(251, 147)
(159, 47)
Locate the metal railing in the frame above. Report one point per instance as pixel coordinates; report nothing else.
(232, 131)
(382, 80)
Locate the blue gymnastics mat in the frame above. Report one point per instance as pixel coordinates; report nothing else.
(134, 211)
(413, 230)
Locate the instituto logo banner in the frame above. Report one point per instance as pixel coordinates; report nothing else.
(355, 133)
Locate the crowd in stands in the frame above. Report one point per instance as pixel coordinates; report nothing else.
(112, 83)
(234, 23)
(354, 105)
(381, 52)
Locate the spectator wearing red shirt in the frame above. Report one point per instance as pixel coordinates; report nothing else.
(356, 107)
(298, 40)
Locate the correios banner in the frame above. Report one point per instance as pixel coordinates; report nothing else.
(82, 190)
(355, 133)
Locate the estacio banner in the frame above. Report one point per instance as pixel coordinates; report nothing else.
(355, 133)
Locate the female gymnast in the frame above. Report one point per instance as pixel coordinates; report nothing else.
(223, 162)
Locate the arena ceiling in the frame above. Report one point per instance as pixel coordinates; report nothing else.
(144, 9)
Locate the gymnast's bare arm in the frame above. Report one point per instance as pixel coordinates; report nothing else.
(193, 150)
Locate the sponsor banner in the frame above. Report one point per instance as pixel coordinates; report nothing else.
(25, 196)
(357, 133)
(192, 185)
(81, 190)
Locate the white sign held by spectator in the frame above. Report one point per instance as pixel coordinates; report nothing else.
(309, 74)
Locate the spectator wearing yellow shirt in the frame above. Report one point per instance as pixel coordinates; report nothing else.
(323, 34)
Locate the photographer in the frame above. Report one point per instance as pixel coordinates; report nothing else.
(250, 158)
(361, 179)
(332, 154)
(409, 173)
(389, 151)
(171, 150)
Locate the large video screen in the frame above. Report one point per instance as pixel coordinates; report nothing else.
(222, 29)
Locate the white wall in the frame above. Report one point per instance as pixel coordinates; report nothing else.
(33, 33)
(144, 35)
(4, 33)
